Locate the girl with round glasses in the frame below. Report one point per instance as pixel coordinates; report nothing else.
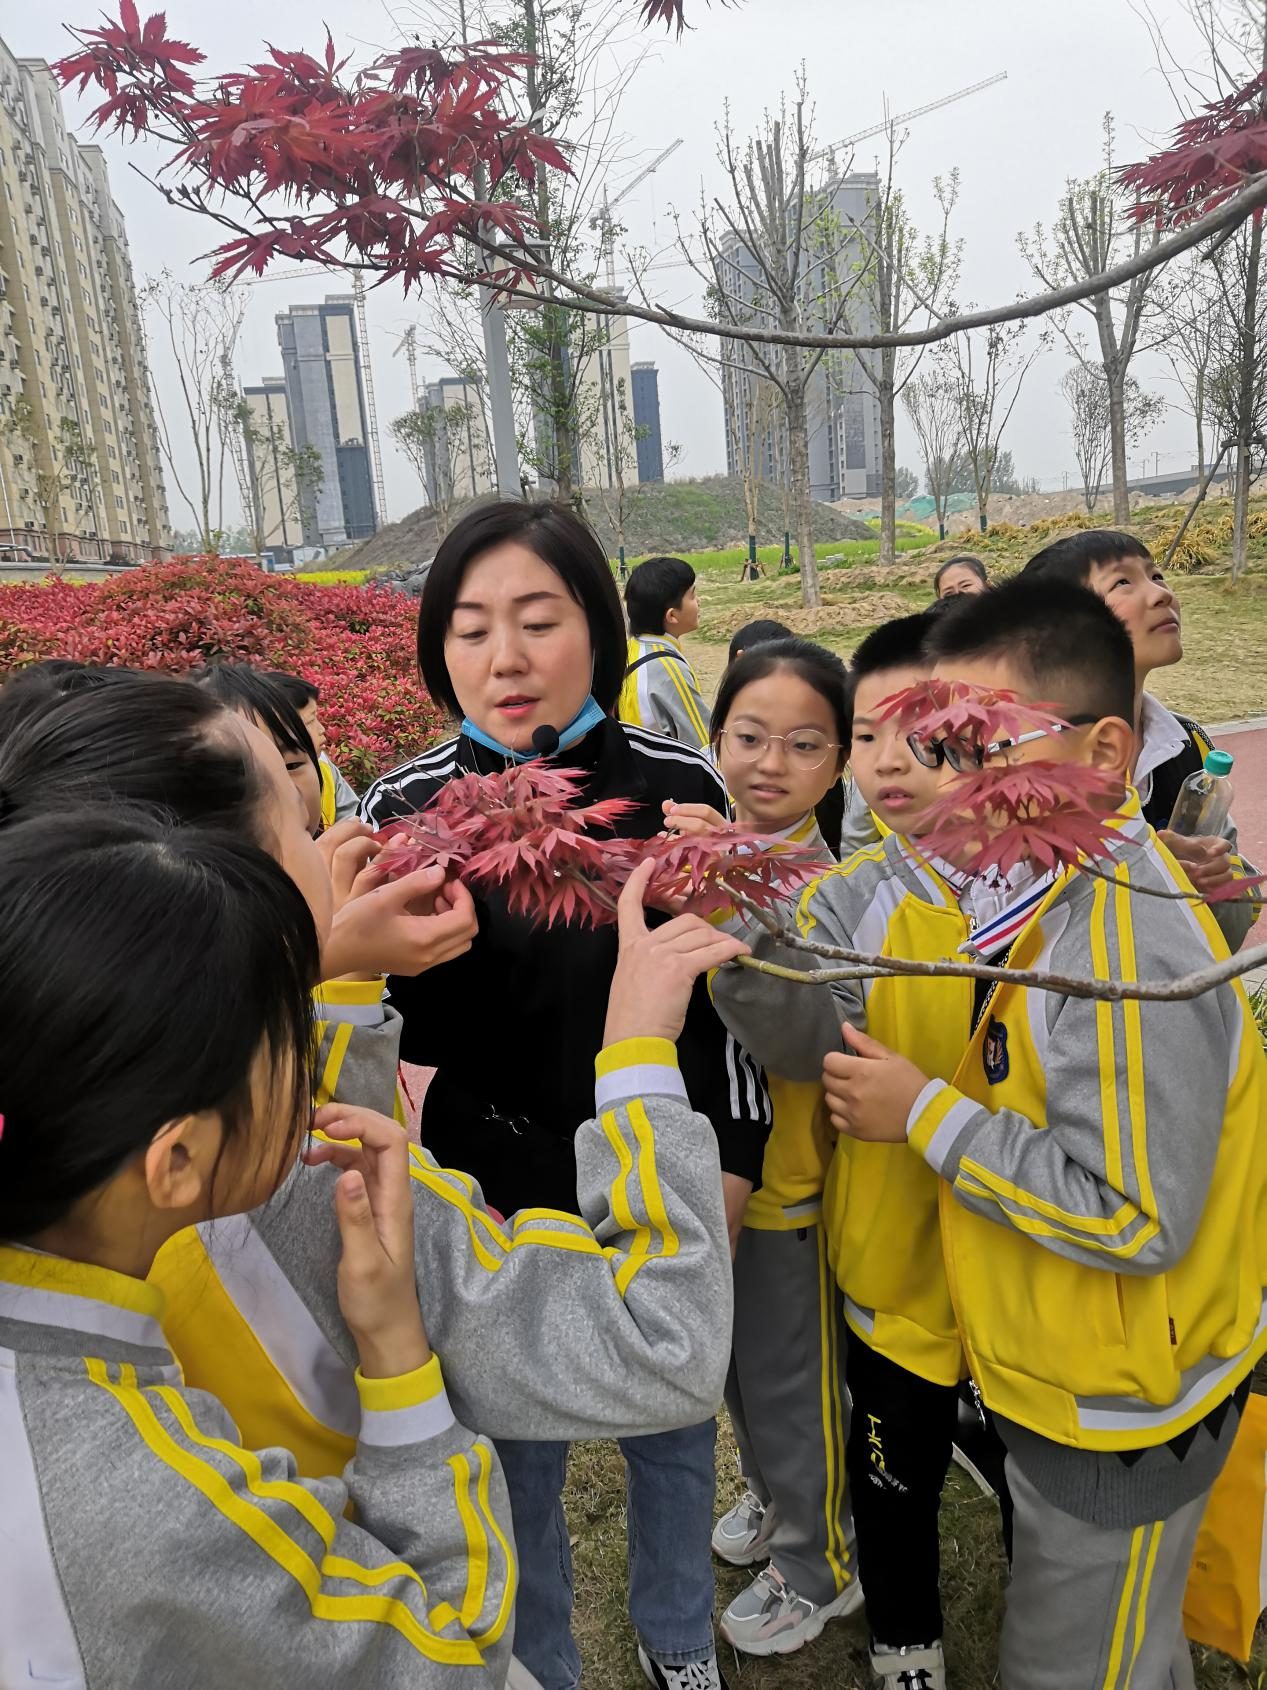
(780, 732)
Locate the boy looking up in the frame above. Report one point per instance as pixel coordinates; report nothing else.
(660, 690)
(1168, 748)
(1106, 1169)
(904, 1359)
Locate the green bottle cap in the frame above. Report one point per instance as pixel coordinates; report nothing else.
(1218, 763)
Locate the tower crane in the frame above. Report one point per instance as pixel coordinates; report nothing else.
(367, 375)
(906, 117)
(602, 218)
(408, 344)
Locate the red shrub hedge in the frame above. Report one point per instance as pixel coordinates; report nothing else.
(356, 643)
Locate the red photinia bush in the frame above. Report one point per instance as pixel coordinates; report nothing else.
(524, 831)
(356, 643)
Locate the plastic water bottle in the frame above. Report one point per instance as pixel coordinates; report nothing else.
(1205, 799)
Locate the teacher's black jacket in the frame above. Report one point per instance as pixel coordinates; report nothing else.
(513, 1026)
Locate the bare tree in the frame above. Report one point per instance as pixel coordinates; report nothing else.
(1192, 315)
(1238, 378)
(617, 493)
(931, 402)
(1092, 232)
(201, 325)
(772, 255)
(989, 370)
(1090, 420)
(903, 281)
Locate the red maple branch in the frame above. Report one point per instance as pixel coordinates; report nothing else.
(526, 832)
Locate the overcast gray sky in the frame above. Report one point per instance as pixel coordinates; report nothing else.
(1014, 145)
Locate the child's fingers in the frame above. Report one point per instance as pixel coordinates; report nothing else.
(862, 1044)
(630, 919)
(362, 1249)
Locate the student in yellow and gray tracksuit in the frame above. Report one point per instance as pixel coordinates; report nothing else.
(879, 1214)
(660, 690)
(1103, 1171)
(786, 1390)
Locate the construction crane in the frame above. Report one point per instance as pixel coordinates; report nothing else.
(602, 219)
(408, 344)
(906, 117)
(307, 271)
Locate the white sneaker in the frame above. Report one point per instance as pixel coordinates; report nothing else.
(769, 1618)
(698, 1675)
(923, 1668)
(743, 1535)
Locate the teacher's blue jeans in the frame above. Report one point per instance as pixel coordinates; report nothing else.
(670, 1493)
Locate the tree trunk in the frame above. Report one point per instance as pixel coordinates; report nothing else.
(1245, 402)
(802, 504)
(1117, 439)
(1198, 410)
(888, 461)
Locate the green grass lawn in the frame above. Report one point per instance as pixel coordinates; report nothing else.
(972, 1581)
(1223, 674)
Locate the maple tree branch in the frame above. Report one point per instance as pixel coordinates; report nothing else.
(1227, 216)
(864, 965)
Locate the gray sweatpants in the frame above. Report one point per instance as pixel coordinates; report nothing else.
(1095, 1607)
(786, 1396)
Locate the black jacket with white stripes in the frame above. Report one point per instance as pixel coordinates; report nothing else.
(513, 1026)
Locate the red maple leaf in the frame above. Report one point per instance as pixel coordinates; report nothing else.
(1053, 815)
(1213, 156)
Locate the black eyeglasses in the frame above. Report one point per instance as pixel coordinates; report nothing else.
(963, 755)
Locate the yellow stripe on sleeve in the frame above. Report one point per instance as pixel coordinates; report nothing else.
(269, 1536)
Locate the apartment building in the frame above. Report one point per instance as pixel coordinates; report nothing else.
(843, 411)
(326, 401)
(80, 471)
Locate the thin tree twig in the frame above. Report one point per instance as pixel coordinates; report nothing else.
(864, 965)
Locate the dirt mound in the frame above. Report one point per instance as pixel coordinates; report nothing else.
(864, 611)
(670, 516)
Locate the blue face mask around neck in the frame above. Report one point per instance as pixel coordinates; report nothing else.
(588, 716)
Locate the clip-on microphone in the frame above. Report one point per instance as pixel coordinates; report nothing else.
(545, 740)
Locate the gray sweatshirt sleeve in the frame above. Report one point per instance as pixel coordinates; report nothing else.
(550, 1325)
(358, 1046)
(787, 1026)
(615, 1323)
(1135, 1097)
(264, 1581)
(345, 800)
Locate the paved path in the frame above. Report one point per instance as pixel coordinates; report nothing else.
(1247, 741)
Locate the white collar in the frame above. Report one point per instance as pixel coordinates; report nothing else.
(1001, 909)
(1161, 737)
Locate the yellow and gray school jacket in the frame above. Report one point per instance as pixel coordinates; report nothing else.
(337, 798)
(607, 1323)
(1104, 1170)
(144, 1543)
(799, 1149)
(661, 691)
(880, 1204)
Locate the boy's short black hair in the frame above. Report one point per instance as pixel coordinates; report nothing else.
(301, 693)
(654, 587)
(894, 645)
(756, 633)
(1072, 558)
(1064, 639)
